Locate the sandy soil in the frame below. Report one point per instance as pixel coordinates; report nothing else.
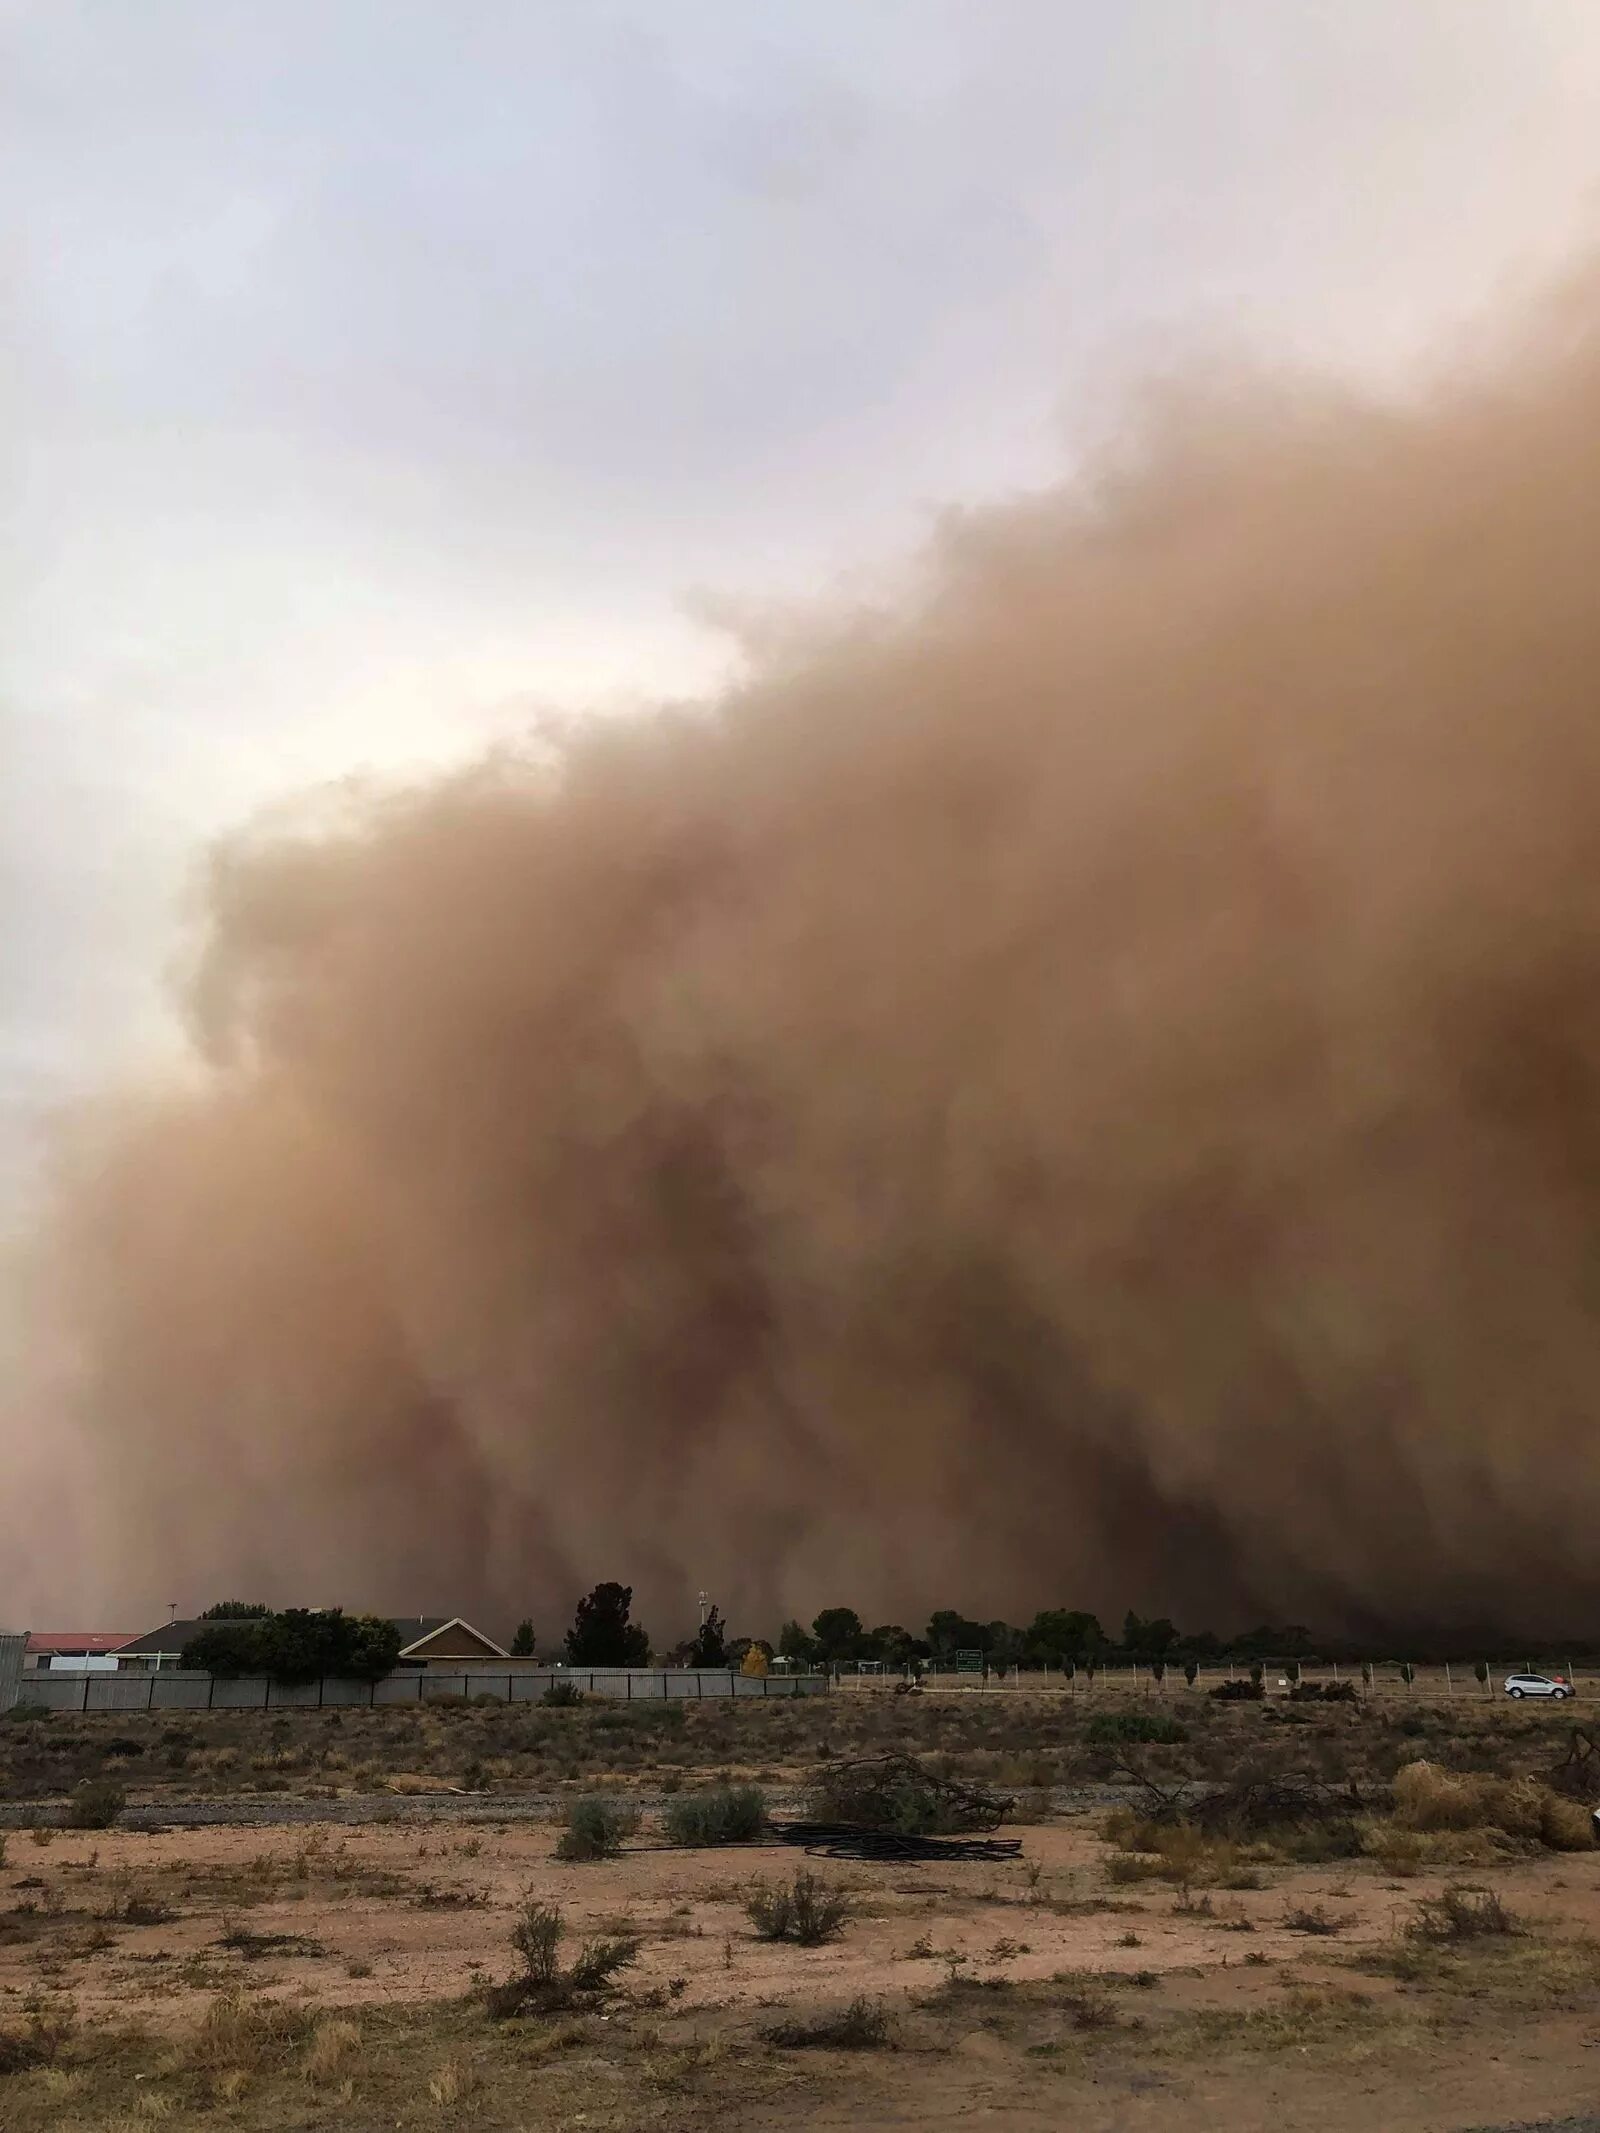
(420, 1915)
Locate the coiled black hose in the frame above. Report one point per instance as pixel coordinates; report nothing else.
(847, 1840)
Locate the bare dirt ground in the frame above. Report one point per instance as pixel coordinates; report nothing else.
(323, 1974)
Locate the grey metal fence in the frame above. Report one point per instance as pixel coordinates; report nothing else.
(176, 1689)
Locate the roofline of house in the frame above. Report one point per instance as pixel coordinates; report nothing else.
(455, 1622)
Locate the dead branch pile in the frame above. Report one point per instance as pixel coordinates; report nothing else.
(896, 1792)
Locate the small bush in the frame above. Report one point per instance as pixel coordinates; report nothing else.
(1237, 1692)
(1312, 1918)
(22, 1711)
(596, 1827)
(1323, 1692)
(1462, 1914)
(1149, 1726)
(808, 1912)
(140, 1911)
(543, 1985)
(95, 1804)
(561, 1696)
(864, 2026)
(727, 1814)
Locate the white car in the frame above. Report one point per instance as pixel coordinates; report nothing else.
(1537, 1685)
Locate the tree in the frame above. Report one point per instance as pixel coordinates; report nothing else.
(1062, 1634)
(796, 1646)
(235, 1611)
(602, 1635)
(522, 1644)
(708, 1647)
(1191, 1669)
(949, 1632)
(1147, 1641)
(1481, 1669)
(301, 1644)
(838, 1633)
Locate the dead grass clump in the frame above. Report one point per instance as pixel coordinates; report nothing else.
(1459, 1914)
(865, 2025)
(544, 1985)
(807, 1912)
(453, 2083)
(39, 2045)
(243, 2031)
(1430, 1800)
(1172, 1851)
(335, 2042)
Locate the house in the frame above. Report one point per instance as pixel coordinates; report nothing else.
(159, 1647)
(427, 1638)
(74, 1651)
(424, 1639)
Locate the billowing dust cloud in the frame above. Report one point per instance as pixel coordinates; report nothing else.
(1084, 1089)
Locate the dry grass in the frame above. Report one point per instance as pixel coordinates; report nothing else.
(1430, 1800)
(452, 2083)
(335, 2044)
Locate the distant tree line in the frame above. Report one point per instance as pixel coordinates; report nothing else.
(299, 1644)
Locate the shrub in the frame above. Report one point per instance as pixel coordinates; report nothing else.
(543, 1985)
(23, 1710)
(1428, 1798)
(95, 1804)
(1323, 1692)
(596, 1827)
(1250, 1691)
(865, 2025)
(1311, 1918)
(1152, 1726)
(562, 1696)
(808, 1912)
(1462, 1914)
(727, 1814)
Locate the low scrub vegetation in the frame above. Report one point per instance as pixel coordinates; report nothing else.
(544, 1984)
(1460, 1914)
(95, 1804)
(726, 1814)
(864, 2025)
(1428, 1799)
(596, 1828)
(806, 1911)
(1155, 1728)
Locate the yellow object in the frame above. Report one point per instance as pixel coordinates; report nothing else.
(754, 1662)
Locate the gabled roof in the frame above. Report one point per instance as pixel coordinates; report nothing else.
(76, 1641)
(173, 1636)
(418, 1630)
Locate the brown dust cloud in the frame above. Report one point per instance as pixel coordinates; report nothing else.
(1077, 1086)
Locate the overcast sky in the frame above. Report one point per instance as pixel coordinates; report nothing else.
(373, 372)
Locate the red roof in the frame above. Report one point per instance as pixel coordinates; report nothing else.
(79, 1640)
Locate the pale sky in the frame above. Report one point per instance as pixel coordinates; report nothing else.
(374, 372)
